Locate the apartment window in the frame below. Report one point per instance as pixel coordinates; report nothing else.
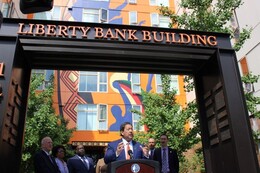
(159, 2)
(6, 8)
(136, 118)
(56, 13)
(159, 20)
(174, 84)
(47, 76)
(92, 81)
(103, 15)
(164, 21)
(135, 83)
(89, 114)
(95, 15)
(102, 118)
(132, 1)
(154, 19)
(53, 14)
(132, 17)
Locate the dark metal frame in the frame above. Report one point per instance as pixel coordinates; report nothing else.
(226, 134)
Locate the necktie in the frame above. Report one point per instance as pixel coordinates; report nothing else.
(50, 158)
(151, 154)
(127, 149)
(164, 161)
(84, 161)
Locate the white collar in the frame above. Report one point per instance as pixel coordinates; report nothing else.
(125, 142)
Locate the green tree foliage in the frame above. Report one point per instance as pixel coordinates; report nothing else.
(41, 121)
(161, 115)
(252, 101)
(164, 116)
(208, 15)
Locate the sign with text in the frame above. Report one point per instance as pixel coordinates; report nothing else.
(118, 34)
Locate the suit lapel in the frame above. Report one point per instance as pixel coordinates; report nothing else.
(135, 148)
(82, 163)
(48, 161)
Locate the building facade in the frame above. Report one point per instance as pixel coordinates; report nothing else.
(96, 103)
(248, 56)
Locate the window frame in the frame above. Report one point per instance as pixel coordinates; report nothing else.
(156, 23)
(134, 121)
(87, 11)
(101, 119)
(159, 2)
(136, 84)
(53, 15)
(134, 21)
(97, 12)
(46, 81)
(97, 111)
(98, 84)
(7, 9)
(173, 77)
(103, 20)
(132, 1)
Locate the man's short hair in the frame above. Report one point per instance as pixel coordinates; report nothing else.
(164, 135)
(122, 127)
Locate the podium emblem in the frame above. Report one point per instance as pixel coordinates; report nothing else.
(135, 168)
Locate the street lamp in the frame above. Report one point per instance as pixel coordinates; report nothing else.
(35, 6)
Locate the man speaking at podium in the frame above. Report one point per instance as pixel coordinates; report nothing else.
(125, 148)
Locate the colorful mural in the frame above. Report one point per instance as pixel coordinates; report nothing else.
(120, 83)
(119, 97)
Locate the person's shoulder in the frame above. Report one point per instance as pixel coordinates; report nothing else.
(136, 142)
(72, 158)
(39, 155)
(40, 152)
(88, 157)
(171, 150)
(116, 141)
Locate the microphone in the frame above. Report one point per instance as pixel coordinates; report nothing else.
(130, 153)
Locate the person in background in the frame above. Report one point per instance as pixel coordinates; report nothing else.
(43, 161)
(100, 163)
(125, 148)
(80, 163)
(151, 146)
(59, 153)
(167, 157)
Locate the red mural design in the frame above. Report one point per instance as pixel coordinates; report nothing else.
(72, 99)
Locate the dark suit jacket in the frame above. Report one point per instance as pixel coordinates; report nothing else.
(43, 164)
(75, 165)
(172, 159)
(110, 155)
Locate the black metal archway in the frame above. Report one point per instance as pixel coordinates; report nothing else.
(226, 134)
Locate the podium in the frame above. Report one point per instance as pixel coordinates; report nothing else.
(133, 166)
